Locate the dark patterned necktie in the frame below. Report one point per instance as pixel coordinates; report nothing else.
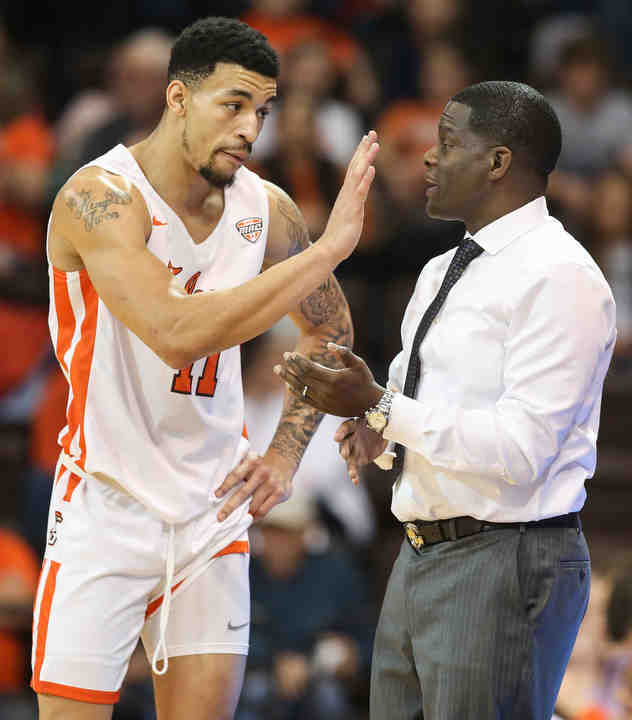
(466, 252)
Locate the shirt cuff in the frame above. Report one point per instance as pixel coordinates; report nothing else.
(403, 420)
(385, 460)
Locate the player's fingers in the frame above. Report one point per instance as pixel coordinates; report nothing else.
(363, 146)
(364, 159)
(239, 497)
(239, 474)
(366, 182)
(264, 507)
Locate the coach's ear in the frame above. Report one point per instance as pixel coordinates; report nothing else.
(500, 158)
(176, 97)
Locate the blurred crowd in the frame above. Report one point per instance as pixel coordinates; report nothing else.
(76, 83)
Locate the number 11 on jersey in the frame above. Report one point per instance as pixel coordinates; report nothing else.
(206, 383)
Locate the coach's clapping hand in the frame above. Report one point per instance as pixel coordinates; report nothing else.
(345, 392)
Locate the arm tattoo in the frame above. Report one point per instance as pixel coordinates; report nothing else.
(94, 212)
(297, 232)
(324, 303)
(296, 428)
(327, 312)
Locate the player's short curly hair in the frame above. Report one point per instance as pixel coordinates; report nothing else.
(518, 116)
(213, 40)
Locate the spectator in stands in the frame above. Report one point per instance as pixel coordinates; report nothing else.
(26, 150)
(596, 120)
(133, 104)
(613, 694)
(309, 69)
(312, 620)
(19, 569)
(286, 24)
(300, 165)
(610, 237)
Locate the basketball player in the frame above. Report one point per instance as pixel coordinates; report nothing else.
(155, 255)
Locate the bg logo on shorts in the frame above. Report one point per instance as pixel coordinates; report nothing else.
(250, 228)
(52, 533)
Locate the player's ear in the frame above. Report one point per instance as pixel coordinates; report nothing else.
(176, 96)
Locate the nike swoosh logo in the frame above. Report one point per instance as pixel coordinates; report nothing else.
(237, 627)
(155, 221)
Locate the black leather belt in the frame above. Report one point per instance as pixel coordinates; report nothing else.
(421, 533)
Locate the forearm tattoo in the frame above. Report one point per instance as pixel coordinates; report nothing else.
(327, 311)
(298, 424)
(93, 212)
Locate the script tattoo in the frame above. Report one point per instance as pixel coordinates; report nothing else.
(94, 212)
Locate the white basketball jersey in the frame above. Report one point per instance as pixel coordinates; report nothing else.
(168, 437)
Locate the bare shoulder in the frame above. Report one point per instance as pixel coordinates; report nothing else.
(288, 234)
(92, 207)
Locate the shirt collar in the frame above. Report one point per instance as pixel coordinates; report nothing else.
(498, 234)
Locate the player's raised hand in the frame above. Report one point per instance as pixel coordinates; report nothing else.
(347, 216)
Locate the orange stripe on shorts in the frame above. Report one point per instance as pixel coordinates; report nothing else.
(50, 688)
(238, 547)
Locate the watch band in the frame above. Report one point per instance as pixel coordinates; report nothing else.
(377, 417)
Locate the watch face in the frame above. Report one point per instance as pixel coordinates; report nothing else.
(376, 420)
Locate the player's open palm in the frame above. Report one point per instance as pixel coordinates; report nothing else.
(347, 216)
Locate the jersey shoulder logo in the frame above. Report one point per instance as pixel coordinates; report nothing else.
(250, 228)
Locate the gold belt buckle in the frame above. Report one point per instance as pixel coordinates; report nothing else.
(415, 539)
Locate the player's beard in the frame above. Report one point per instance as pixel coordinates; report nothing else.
(215, 178)
(209, 172)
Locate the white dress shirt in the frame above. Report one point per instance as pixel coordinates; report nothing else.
(504, 423)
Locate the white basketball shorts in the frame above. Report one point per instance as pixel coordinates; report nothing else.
(102, 582)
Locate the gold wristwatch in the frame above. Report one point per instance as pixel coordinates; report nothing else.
(377, 417)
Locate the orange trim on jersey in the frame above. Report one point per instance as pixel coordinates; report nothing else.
(73, 481)
(80, 375)
(65, 317)
(62, 470)
(238, 547)
(244, 432)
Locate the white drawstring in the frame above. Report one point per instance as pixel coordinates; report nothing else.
(69, 463)
(164, 610)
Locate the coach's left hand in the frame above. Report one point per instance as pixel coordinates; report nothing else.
(267, 480)
(346, 392)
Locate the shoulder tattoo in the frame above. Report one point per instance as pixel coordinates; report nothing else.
(93, 211)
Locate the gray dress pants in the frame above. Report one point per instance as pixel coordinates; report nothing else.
(480, 628)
